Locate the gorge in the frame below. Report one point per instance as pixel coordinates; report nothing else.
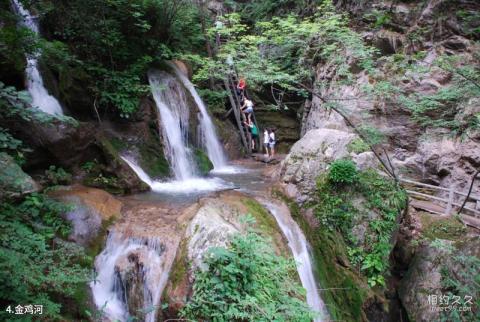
(127, 191)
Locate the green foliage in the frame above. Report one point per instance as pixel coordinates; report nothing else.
(469, 21)
(371, 134)
(247, 282)
(12, 146)
(342, 172)
(335, 211)
(57, 176)
(462, 280)
(89, 166)
(358, 146)
(379, 18)
(110, 42)
(37, 266)
(215, 99)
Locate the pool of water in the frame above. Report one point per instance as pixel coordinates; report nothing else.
(247, 178)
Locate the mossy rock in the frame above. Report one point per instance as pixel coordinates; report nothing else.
(435, 227)
(13, 181)
(344, 291)
(153, 162)
(204, 164)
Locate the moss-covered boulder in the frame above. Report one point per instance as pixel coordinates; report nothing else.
(351, 226)
(204, 164)
(13, 181)
(212, 224)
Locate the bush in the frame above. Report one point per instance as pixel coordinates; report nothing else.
(38, 267)
(342, 172)
(247, 282)
(358, 146)
(58, 176)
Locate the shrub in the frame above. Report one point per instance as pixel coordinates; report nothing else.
(58, 175)
(247, 282)
(358, 146)
(38, 267)
(342, 172)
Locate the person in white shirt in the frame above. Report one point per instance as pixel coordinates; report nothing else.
(247, 109)
(271, 142)
(266, 141)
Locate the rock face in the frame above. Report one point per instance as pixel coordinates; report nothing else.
(91, 208)
(13, 181)
(426, 276)
(311, 156)
(425, 153)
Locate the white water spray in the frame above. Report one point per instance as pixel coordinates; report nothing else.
(108, 289)
(174, 113)
(299, 247)
(40, 97)
(208, 134)
(176, 186)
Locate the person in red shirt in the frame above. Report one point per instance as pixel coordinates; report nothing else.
(241, 88)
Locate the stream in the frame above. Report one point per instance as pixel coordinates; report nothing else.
(144, 245)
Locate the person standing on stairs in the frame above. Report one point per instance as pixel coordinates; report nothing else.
(253, 131)
(272, 141)
(266, 139)
(247, 109)
(241, 88)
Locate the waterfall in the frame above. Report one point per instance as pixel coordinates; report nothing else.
(184, 186)
(173, 108)
(40, 97)
(209, 136)
(110, 291)
(299, 247)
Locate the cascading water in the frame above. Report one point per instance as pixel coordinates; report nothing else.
(108, 289)
(173, 108)
(299, 247)
(209, 136)
(40, 97)
(185, 186)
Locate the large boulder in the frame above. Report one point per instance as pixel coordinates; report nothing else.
(211, 224)
(13, 181)
(427, 280)
(53, 141)
(91, 209)
(311, 155)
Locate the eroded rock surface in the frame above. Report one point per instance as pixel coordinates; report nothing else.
(13, 181)
(91, 208)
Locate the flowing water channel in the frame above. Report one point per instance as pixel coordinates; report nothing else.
(40, 97)
(109, 290)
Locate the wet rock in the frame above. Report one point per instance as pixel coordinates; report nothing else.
(211, 223)
(13, 181)
(91, 209)
(212, 226)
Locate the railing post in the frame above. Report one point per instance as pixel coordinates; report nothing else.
(451, 194)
